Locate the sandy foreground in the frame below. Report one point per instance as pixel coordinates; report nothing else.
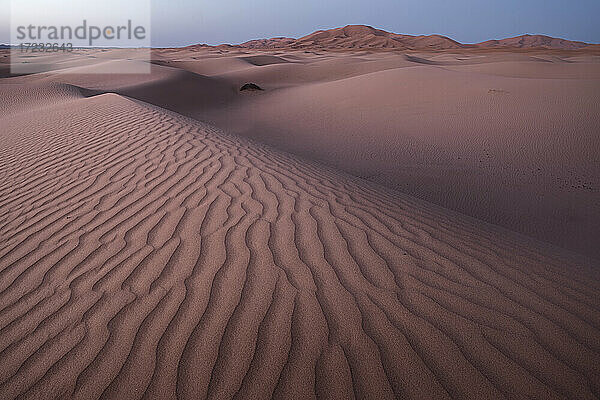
(147, 254)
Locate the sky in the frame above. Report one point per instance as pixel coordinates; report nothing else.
(184, 22)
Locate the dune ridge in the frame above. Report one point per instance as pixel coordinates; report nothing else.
(148, 255)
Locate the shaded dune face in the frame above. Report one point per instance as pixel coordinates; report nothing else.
(147, 255)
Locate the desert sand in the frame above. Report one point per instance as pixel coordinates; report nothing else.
(509, 137)
(374, 224)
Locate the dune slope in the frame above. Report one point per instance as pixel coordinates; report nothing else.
(146, 255)
(512, 143)
(507, 137)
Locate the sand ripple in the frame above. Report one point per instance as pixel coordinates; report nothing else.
(146, 255)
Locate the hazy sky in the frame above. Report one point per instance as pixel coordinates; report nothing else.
(182, 22)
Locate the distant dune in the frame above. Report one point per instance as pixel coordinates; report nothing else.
(533, 41)
(357, 36)
(362, 36)
(269, 43)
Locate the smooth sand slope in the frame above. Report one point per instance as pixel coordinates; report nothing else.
(147, 255)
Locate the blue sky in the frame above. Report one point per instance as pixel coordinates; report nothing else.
(182, 22)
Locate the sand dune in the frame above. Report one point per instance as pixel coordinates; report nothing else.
(367, 37)
(506, 137)
(268, 43)
(509, 137)
(355, 36)
(147, 255)
(529, 41)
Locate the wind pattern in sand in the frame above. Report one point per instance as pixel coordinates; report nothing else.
(146, 255)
